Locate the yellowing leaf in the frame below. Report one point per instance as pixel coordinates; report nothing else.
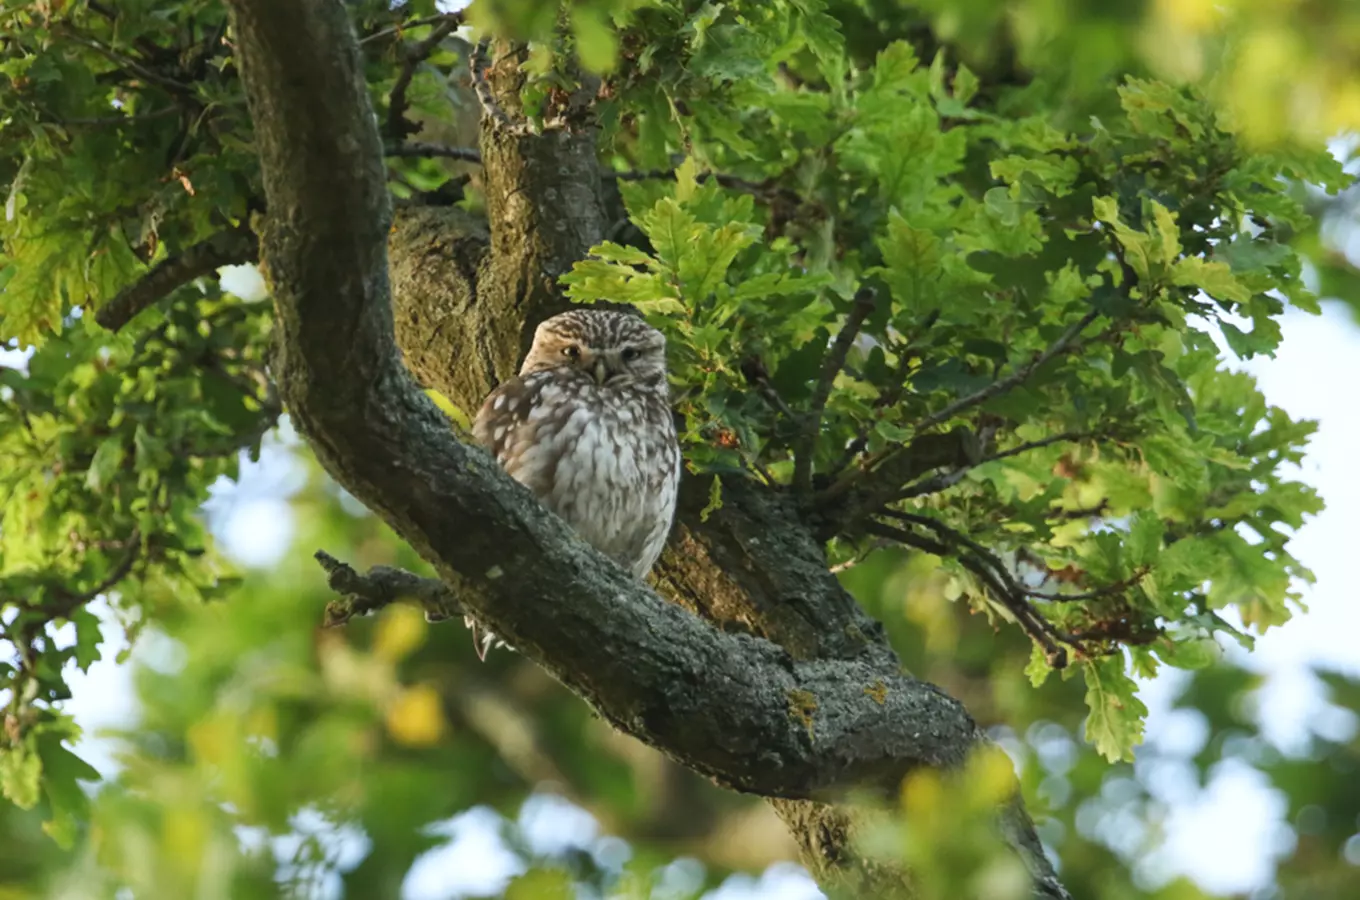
(686, 179)
(1168, 234)
(20, 769)
(400, 630)
(1115, 723)
(1038, 668)
(990, 777)
(1211, 276)
(416, 718)
(447, 407)
(923, 795)
(714, 499)
(1106, 209)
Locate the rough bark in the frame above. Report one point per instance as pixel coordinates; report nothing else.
(780, 685)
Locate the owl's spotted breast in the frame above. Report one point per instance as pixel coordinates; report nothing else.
(587, 427)
(603, 457)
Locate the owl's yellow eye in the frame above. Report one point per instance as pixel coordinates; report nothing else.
(571, 351)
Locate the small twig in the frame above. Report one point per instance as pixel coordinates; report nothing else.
(901, 378)
(834, 362)
(146, 45)
(955, 536)
(985, 565)
(1100, 593)
(101, 121)
(1042, 442)
(964, 403)
(979, 397)
(766, 188)
(753, 370)
(932, 485)
(397, 125)
(65, 602)
(380, 587)
(417, 148)
(225, 248)
(937, 483)
(129, 64)
(874, 545)
(456, 17)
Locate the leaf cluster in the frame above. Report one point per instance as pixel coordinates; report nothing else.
(1000, 332)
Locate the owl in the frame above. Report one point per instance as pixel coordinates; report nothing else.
(586, 426)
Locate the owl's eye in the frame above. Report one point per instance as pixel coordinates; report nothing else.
(630, 353)
(571, 351)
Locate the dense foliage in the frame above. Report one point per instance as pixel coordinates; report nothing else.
(965, 283)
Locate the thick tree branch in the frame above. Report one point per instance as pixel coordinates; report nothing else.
(831, 714)
(225, 248)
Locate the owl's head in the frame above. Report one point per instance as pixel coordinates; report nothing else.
(613, 348)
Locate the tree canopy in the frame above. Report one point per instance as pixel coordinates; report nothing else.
(952, 292)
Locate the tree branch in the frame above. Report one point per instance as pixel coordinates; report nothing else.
(988, 568)
(130, 65)
(64, 602)
(977, 398)
(380, 587)
(455, 17)
(755, 716)
(831, 368)
(225, 248)
(767, 188)
(939, 483)
(420, 148)
(397, 125)
(1015, 378)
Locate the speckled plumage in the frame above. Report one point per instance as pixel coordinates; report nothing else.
(586, 426)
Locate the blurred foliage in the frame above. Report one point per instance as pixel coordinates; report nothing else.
(1088, 195)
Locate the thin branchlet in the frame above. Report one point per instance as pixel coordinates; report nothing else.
(832, 366)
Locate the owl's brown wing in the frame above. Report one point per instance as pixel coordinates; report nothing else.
(509, 425)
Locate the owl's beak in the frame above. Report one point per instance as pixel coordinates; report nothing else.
(601, 370)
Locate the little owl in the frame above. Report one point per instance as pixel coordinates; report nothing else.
(586, 426)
